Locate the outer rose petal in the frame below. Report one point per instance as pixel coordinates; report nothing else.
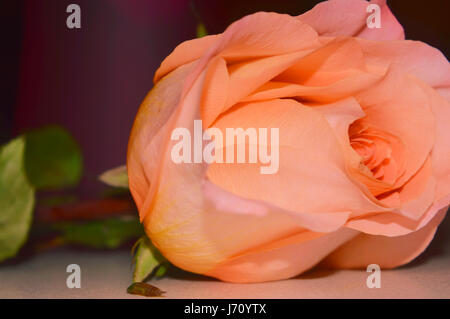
(242, 40)
(388, 252)
(440, 154)
(349, 17)
(394, 224)
(185, 52)
(149, 130)
(194, 229)
(413, 57)
(282, 259)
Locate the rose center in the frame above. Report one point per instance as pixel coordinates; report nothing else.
(378, 151)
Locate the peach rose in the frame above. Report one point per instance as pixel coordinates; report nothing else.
(364, 146)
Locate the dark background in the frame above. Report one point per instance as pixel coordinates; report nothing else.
(92, 80)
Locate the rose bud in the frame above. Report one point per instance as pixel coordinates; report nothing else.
(363, 146)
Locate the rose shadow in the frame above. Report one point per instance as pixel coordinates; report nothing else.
(316, 273)
(180, 274)
(439, 246)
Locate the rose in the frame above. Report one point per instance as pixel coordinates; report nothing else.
(364, 172)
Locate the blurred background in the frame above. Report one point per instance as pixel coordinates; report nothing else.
(92, 80)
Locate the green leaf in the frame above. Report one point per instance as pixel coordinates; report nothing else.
(116, 177)
(106, 233)
(147, 259)
(162, 269)
(201, 30)
(52, 158)
(16, 199)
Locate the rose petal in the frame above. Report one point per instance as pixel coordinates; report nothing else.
(440, 154)
(149, 130)
(389, 110)
(185, 52)
(340, 115)
(311, 161)
(282, 259)
(190, 226)
(242, 40)
(349, 17)
(335, 60)
(417, 195)
(226, 86)
(321, 94)
(413, 57)
(387, 252)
